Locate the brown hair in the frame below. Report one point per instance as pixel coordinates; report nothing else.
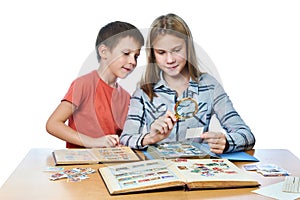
(110, 35)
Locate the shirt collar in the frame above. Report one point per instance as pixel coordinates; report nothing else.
(161, 82)
(193, 85)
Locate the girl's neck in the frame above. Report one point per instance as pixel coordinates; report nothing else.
(178, 83)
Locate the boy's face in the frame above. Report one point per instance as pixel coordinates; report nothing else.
(122, 59)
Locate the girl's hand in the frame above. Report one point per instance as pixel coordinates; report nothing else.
(216, 141)
(160, 129)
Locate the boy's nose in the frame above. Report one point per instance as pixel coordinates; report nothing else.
(132, 60)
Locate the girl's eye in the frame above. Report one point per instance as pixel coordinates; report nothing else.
(126, 53)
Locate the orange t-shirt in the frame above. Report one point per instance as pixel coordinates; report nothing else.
(100, 109)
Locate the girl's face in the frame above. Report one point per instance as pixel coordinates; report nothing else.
(170, 54)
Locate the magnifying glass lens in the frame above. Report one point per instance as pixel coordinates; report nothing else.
(186, 108)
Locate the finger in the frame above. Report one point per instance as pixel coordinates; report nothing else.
(204, 136)
(165, 127)
(158, 128)
(207, 139)
(116, 138)
(217, 151)
(155, 129)
(216, 141)
(210, 135)
(115, 141)
(168, 121)
(171, 115)
(214, 145)
(161, 126)
(111, 141)
(217, 147)
(165, 123)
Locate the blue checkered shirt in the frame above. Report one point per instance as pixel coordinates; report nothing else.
(211, 99)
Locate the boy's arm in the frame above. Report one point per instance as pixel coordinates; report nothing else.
(56, 126)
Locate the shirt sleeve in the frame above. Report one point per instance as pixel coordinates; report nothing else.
(71, 96)
(239, 135)
(133, 132)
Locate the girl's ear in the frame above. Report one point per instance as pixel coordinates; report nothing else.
(102, 50)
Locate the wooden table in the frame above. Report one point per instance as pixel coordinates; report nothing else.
(30, 181)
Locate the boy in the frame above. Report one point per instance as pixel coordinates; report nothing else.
(95, 105)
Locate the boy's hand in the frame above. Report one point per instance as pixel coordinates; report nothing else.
(109, 141)
(104, 141)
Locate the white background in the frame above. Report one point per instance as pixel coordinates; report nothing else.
(255, 46)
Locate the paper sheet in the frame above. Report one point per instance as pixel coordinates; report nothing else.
(193, 132)
(275, 191)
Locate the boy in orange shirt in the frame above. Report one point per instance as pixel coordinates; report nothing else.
(96, 105)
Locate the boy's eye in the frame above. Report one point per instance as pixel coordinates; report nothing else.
(126, 52)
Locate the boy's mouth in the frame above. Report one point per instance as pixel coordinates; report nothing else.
(127, 69)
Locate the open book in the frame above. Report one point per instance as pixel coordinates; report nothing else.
(191, 173)
(175, 150)
(94, 155)
(191, 150)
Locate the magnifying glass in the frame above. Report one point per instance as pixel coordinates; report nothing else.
(186, 108)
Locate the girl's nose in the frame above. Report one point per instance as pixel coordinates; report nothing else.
(170, 57)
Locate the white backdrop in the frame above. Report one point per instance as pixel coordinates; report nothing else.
(255, 46)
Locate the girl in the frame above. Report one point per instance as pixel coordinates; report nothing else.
(172, 74)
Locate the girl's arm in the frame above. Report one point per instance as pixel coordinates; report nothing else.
(238, 135)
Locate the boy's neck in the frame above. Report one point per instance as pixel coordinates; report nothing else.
(105, 75)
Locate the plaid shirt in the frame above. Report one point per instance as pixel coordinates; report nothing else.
(211, 99)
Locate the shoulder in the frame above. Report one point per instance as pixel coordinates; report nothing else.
(139, 92)
(207, 79)
(87, 79)
(122, 90)
(140, 95)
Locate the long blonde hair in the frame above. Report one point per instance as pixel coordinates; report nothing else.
(174, 25)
